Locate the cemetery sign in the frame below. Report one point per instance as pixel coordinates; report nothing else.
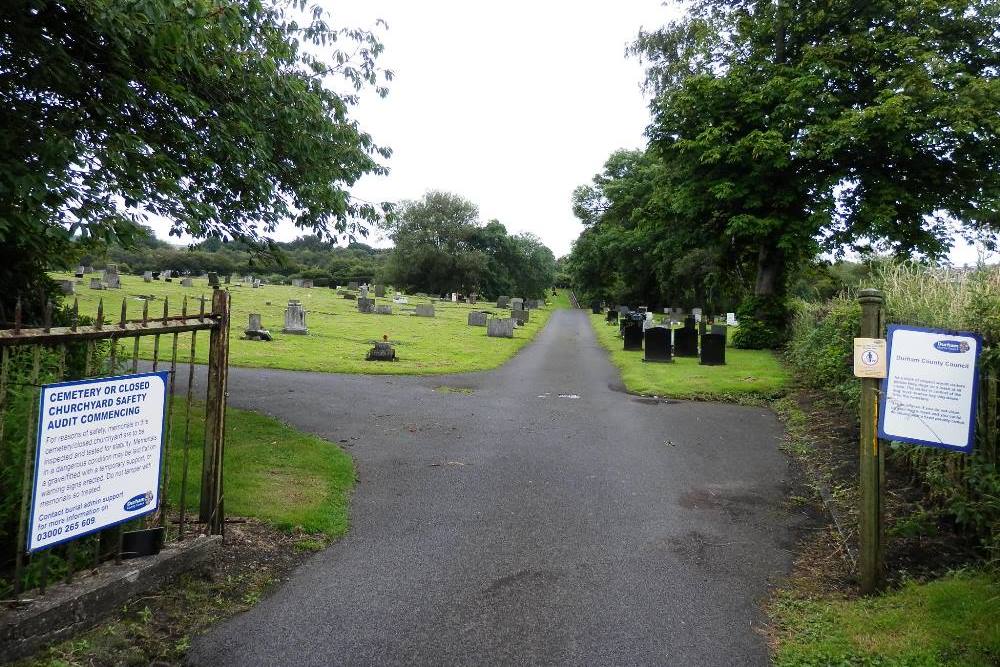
(97, 457)
(930, 391)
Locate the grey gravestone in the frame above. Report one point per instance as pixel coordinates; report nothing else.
(147, 277)
(685, 342)
(296, 282)
(307, 283)
(503, 301)
(186, 282)
(696, 314)
(383, 310)
(477, 319)
(353, 285)
(521, 316)
(67, 286)
(612, 317)
(498, 327)
(295, 319)
(713, 350)
(658, 345)
(366, 305)
(95, 283)
(473, 298)
(380, 291)
(256, 283)
(517, 304)
(382, 351)
(632, 333)
(80, 271)
(213, 280)
(255, 330)
(88, 269)
(363, 292)
(111, 278)
(399, 298)
(425, 310)
(595, 307)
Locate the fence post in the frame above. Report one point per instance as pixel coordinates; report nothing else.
(872, 457)
(215, 410)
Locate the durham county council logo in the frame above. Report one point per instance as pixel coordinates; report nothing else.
(139, 501)
(953, 346)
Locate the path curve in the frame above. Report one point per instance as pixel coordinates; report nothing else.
(541, 515)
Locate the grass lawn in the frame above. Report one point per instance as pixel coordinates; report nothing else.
(272, 472)
(339, 336)
(754, 373)
(954, 620)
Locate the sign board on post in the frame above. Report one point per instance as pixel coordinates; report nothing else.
(98, 455)
(929, 394)
(869, 358)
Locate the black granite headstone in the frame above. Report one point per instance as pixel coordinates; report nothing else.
(595, 307)
(632, 333)
(689, 323)
(612, 317)
(713, 350)
(685, 342)
(658, 344)
(720, 329)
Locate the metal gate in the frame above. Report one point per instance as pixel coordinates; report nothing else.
(86, 348)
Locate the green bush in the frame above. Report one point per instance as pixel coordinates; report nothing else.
(763, 322)
(964, 487)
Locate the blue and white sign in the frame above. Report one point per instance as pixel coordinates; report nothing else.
(97, 461)
(929, 394)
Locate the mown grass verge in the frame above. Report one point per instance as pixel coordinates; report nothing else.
(747, 375)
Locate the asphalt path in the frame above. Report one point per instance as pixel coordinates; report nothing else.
(536, 514)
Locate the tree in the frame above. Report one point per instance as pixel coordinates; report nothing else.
(219, 115)
(793, 125)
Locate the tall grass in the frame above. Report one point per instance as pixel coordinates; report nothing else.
(965, 487)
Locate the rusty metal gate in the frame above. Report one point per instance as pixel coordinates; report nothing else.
(95, 347)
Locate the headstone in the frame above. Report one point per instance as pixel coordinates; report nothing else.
(500, 327)
(503, 301)
(95, 283)
(382, 351)
(731, 319)
(80, 271)
(720, 330)
(612, 317)
(67, 286)
(380, 291)
(147, 277)
(296, 282)
(686, 342)
(696, 314)
(713, 350)
(353, 285)
(520, 316)
(111, 278)
(88, 269)
(383, 310)
(690, 322)
(477, 319)
(632, 333)
(366, 305)
(517, 304)
(595, 307)
(399, 298)
(363, 292)
(349, 296)
(295, 319)
(425, 310)
(658, 345)
(473, 298)
(454, 297)
(256, 283)
(213, 280)
(622, 310)
(255, 330)
(186, 282)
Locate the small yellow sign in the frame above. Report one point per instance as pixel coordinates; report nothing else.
(869, 358)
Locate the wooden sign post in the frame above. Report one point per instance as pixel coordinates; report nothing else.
(872, 458)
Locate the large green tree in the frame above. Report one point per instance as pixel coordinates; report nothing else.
(791, 125)
(224, 116)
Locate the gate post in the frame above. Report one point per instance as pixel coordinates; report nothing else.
(872, 463)
(215, 415)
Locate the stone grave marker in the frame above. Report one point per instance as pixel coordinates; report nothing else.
(256, 283)
(731, 319)
(713, 350)
(295, 319)
(213, 280)
(382, 351)
(612, 317)
(595, 307)
(473, 298)
(366, 305)
(658, 345)
(383, 310)
(307, 283)
(503, 301)
(517, 304)
(477, 319)
(79, 272)
(349, 296)
(67, 286)
(379, 290)
(520, 316)
(622, 310)
(696, 314)
(632, 333)
(296, 282)
(187, 282)
(363, 292)
(720, 330)
(255, 330)
(399, 298)
(95, 283)
(352, 285)
(111, 278)
(147, 276)
(425, 310)
(686, 340)
(500, 327)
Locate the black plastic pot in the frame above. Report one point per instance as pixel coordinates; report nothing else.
(136, 543)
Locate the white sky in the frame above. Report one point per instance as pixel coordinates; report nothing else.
(510, 104)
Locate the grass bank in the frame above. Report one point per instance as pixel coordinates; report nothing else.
(747, 373)
(954, 620)
(292, 488)
(339, 336)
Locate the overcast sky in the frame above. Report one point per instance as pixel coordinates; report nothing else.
(510, 104)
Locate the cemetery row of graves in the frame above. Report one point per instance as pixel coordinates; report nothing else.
(337, 329)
